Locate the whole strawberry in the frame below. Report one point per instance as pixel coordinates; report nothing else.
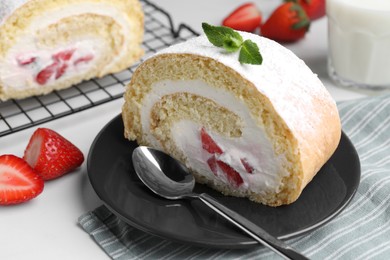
(18, 181)
(51, 155)
(314, 8)
(288, 23)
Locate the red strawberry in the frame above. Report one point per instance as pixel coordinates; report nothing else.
(314, 8)
(22, 61)
(63, 55)
(249, 168)
(45, 74)
(61, 70)
(18, 181)
(287, 23)
(208, 143)
(245, 18)
(212, 162)
(233, 176)
(86, 58)
(51, 155)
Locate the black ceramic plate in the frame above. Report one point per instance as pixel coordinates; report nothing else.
(112, 176)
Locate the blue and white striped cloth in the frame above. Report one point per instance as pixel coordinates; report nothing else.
(361, 231)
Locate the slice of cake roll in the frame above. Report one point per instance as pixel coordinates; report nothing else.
(50, 45)
(255, 131)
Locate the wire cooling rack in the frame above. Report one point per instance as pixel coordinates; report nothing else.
(16, 115)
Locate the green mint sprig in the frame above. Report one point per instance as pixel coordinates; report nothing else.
(232, 41)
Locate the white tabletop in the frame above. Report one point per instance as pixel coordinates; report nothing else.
(46, 227)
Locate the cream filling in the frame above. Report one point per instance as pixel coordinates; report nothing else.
(253, 145)
(16, 77)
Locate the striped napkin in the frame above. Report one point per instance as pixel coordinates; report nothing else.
(361, 231)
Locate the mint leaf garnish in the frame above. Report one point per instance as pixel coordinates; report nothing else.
(218, 35)
(250, 53)
(232, 41)
(232, 44)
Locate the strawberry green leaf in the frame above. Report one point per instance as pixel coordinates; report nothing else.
(303, 19)
(297, 1)
(250, 53)
(304, 24)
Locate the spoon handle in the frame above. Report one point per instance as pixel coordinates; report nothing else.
(252, 229)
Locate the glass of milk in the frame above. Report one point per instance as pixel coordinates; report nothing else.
(359, 42)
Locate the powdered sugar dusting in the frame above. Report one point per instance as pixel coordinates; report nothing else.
(285, 79)
(7, 7)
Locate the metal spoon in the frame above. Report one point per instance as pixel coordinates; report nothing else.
(152, 167)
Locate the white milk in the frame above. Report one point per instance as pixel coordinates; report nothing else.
(359, 42)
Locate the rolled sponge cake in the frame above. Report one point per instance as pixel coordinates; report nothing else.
(255, 131)
(50, 45)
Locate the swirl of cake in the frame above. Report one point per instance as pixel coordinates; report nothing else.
(255, 131)
(50, 45)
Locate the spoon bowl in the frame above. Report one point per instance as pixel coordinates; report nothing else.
(162, 174)
(170, 179)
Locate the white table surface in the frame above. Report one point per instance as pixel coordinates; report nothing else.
(46, 227)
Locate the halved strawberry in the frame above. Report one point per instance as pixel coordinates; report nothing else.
(18, 181)
(245, 18)
(233, 176)
(208, 143)
(51, 155)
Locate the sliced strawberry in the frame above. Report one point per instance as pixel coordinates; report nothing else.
(83, 59)
(208, 143)
(61, 70)
(232, 175)
(249, 168)
(51, 155)
(22, 60)
(212, 162)
(44, 75)
(18, 181)
(245, 18)
(63, 55)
